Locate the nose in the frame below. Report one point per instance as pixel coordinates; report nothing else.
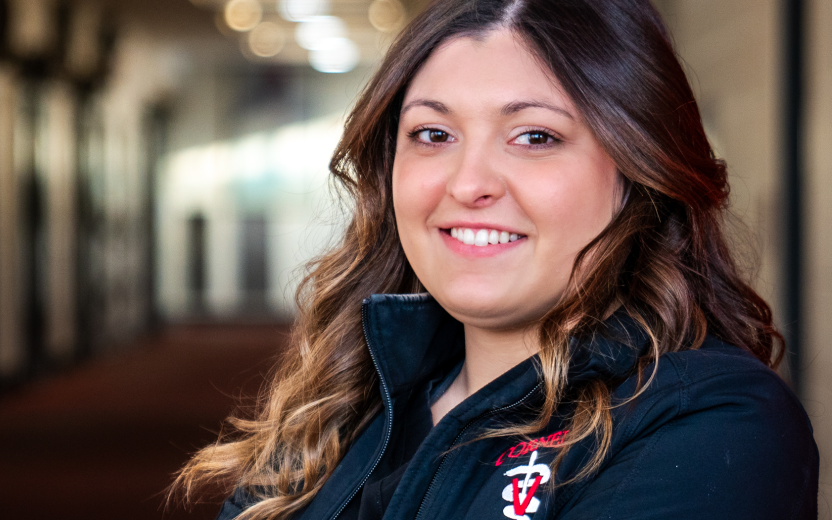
(476, 181)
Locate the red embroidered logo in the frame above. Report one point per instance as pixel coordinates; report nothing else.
(521, 491)
(520, 507)
(552, 441)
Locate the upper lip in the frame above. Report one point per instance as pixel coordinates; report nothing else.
(479, 225)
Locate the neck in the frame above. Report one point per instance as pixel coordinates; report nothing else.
(489, 354)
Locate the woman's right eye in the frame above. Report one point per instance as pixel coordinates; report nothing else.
(432, 135)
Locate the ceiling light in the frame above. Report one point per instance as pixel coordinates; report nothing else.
(335, 55)
(313, 31)
(300, 10)
(386, 15)
(243, 15)
(266, 40)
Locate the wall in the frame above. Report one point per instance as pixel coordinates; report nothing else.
(12, 353)
(730, 50)
(817, 357)
(74, 190)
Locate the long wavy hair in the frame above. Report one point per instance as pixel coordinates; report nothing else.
(663, 259)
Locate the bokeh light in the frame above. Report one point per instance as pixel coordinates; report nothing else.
(335, 55)
(311, 34)
(386, 15)
(266, 40)
(243, 15)
(301, 10)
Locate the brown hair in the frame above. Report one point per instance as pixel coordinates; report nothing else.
(663, 259)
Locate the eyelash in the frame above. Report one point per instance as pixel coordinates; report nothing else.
(413, 136)
(548, 133)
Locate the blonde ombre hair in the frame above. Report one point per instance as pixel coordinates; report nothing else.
(663, 259)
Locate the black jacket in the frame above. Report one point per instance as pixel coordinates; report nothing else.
(716, 434)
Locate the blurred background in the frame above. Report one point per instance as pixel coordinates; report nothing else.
(163, 176)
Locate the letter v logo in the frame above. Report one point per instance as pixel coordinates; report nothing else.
(520, 507)
(525, 480)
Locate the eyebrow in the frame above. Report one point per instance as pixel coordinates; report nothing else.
(507, 110)
(442, 108)
(517, 106)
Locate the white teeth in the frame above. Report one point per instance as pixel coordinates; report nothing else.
(483, 237)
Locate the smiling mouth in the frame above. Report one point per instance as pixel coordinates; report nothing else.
(483, 237)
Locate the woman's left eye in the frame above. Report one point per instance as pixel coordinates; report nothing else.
(535, 138)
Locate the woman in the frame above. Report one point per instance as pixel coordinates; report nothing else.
(586, 347)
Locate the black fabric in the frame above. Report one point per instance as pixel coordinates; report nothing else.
(715, 434)
(376, 496)
(371, 501)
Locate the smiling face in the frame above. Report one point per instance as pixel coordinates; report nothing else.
(497, 182)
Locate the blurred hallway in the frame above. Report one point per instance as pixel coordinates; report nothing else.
(101, 442)
(166, 162)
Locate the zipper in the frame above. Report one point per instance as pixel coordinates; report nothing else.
(388, 404)
(420, 512)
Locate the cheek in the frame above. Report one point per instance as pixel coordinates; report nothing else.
(417, 190)
(575, 204)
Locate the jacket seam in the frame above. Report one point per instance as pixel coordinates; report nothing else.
(636, 470)
(799, 505)
(647, 405)
(685, 389)
(684, 397)
(574, 489)
(767, 373)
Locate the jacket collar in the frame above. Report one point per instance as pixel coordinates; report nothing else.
(411, 337)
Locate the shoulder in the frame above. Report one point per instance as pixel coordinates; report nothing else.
(717, 359)
(718, 385)
(715, 432)
(715, 375)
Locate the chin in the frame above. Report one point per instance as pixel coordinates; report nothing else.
(483, 309)
(490, 306)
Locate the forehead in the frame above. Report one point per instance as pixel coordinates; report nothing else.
(496, 68)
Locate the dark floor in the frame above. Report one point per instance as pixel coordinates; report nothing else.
(102, 441)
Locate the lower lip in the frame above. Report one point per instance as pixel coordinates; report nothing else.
(477, 251)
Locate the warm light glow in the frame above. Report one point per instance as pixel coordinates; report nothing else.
(295, 157)
(301, 10)
(266, 40)
(243, 15)
(335, 55)
(386, 15)
(310, 34)
(282, 175)
(222, 27)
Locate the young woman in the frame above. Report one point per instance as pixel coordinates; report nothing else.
(581, 344)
